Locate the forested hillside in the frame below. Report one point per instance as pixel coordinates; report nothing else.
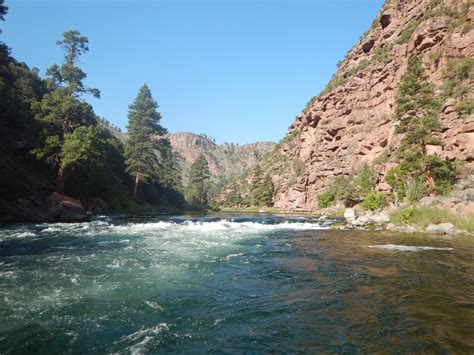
(52, 141)
(59, 159)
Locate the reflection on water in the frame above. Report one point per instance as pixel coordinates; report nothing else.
(239, 284)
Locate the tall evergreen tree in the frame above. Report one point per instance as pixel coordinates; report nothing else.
(261, 188)
(198, 185)
(417, 112)
(62, 110)
(169, 169)
(143, 124)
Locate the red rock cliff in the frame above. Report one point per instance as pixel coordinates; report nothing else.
(351, 122)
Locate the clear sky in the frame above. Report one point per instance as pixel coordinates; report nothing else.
(237, 70)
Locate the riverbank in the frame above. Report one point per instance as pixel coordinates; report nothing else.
(61, 208)
(409, 219)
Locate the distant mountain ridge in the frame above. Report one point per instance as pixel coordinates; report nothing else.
(225, 160)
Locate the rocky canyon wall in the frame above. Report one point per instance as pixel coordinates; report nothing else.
(352, 123)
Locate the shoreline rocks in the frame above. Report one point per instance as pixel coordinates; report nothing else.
(33, 209)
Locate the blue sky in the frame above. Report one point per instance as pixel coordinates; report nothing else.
(237, 70)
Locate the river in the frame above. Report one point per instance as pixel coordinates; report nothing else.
(232, 284)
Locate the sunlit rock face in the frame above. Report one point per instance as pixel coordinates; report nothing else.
(353, 123)
(223, 159)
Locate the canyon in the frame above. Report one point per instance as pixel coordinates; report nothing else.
(351, 122)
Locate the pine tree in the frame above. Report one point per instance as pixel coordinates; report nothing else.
(143, 124)
(3, 11)
(261, 188)
(417, 111)
(266, 192)
(170, 171)
(198, 186)
(61, 111)
(86, 143)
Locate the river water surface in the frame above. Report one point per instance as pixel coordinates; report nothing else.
(235, 284)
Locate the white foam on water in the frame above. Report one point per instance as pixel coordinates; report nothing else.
(212, 227)
(407, 247)
(142, 337)
(230, 256)
(8, 274)
(154, 305)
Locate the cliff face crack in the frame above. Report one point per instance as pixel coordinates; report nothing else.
(367, 46)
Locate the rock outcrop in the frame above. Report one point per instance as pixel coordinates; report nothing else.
(351, 122)
(55, 208)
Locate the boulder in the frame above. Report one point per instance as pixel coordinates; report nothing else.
(69, 216)
(97, 206)
(381, 218)
(350, 215)
(442, 228)
(66, 209)
(73, 207)
(54, 211)
(391, 227)
(58, 198)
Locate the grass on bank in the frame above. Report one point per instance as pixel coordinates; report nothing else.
(424, 216)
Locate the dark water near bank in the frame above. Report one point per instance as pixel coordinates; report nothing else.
(232, 285)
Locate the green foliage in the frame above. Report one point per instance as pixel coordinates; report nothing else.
(366, 180)
(197, 191)
(381, 54)
(68, 76)
(125, 205)
(143, 124)
(48, 121)
(3, 10)
(326, 199)
(374, 201)
(443, 172)
(335, 82)
(457, 75)
(261, 188)
(417, 109)
(466, 107)
(384, 156)
(417, 189)
(169, 171)
(299, 167)
(342, 189)
(406, 34)
(350, 189)
(397, 177)
(424, 216)
(61, 111)
(85, 144)
(403, 216)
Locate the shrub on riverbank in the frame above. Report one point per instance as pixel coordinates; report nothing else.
(375, 201)
(424, 216)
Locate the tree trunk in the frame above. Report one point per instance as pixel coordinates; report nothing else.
(431, 180)
(429, 175)
(135, 189)
(61, 181)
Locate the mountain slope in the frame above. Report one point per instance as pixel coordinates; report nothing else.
(225, 160)
(352, 121)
